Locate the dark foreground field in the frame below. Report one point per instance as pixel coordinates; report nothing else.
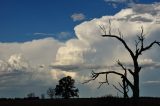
(81, 102)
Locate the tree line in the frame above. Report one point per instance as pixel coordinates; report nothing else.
(65, 89)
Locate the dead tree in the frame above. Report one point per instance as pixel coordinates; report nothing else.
(139, 49)
(125, 88)
(124, 85)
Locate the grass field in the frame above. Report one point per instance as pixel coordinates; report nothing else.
(109, 101)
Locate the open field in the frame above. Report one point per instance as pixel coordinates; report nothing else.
(81, 102)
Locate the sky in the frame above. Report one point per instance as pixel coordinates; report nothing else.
(42, 41)
(22, 20)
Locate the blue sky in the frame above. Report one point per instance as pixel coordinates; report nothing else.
(20, 19)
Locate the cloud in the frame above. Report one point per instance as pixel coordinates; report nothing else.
(64, 35)
(17, 75)
(114, 3)
(146, 8)
(108, 51)
(56, 74)
(81, 67)
(152, 82)
(37, 52)
(78, 16)
(151, 87)
(43, 34)
(118, 1)
(20, 69)
(145, 63)
(61, 36)
(24, 68)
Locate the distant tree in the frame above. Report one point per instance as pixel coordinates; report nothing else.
(31, 95)
(42, 96)
(66, 88)
(51, 92)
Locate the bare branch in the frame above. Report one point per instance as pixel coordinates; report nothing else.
(101, 83)
(127, 89)
(95, 75)
(123, 42)
(102, 27)
(120, 64)
(120, 85)
(136, 44)
(148, 47)
(120, 34)
(141, 40)
(131, 71)
(118, 89)
(124, 87)
(109, 27)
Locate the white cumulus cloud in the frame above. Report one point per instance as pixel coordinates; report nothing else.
(44, 34)
(78, 16)
(114, 3)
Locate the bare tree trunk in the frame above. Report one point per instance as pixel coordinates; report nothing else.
(136, 85)
(136, 77)
(125, 89)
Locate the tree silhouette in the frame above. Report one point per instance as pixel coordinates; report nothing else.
(124, 85)
(42, 96)
(31, 95)
(139, 49)
(66, 88)
(51, 92)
